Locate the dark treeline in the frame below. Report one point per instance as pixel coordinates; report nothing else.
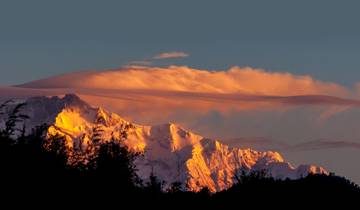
(33, 166)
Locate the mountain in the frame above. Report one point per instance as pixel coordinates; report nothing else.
(171, 152)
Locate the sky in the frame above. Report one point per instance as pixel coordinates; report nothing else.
(223, 69)
(46, 38)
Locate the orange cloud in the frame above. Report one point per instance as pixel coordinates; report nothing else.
(160, 94)
(182, 78)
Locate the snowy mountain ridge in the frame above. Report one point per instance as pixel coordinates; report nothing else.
(170, 151)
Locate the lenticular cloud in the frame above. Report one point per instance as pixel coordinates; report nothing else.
(159, 93)
(182, 78)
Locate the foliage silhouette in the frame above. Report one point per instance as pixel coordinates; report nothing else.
(37, 166)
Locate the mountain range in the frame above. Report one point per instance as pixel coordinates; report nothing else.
(169, 151)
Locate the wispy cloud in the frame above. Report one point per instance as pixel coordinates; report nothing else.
(258, 143)
(139, 63)
(262, 143)
(174, 54)
(161, 56)
(324, 144)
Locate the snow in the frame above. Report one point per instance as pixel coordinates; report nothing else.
(170, 151)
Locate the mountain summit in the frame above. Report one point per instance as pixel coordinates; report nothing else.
(171, 152)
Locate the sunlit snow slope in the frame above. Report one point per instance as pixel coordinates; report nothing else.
(171, 152)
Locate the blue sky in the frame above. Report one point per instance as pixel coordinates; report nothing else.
(45, 38)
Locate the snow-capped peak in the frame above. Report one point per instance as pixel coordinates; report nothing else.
(173, 153)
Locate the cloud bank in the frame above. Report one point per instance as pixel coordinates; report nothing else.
(178, 89)
(264, 144)
(182, 78)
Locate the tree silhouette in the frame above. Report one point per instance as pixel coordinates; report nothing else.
(154, 185)
(175, 187)
(114, 166)
(37, 165)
